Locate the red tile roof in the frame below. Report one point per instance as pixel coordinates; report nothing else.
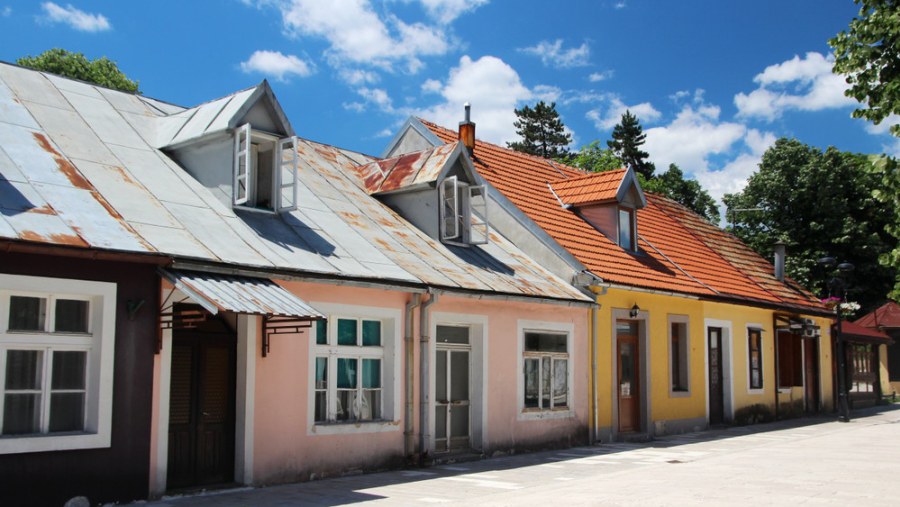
(589, 189)
(679, 250)
(885, 316)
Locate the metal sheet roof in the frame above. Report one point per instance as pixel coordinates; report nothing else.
(240, 294)
(79, 166)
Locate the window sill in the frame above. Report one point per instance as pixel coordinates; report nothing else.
(533, 414)
(679, 394)
(756, 391)
(18, 444)
(343, 428)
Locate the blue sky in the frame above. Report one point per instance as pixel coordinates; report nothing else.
(713, 82)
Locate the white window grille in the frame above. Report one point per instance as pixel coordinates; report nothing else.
(265, 171)
(463, 213)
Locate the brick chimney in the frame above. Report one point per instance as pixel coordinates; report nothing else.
(467, 132)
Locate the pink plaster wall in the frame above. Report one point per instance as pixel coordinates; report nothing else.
(286, 450)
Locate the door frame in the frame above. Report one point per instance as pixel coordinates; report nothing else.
(727, 366)
(642, 319)
(248, 328)
(449, 348)
(478, 374)
(721, 374)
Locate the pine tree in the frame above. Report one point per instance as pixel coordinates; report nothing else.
(627, 138)
(542, 132)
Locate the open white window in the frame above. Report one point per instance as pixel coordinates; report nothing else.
(463, 213)
(56, 351)
(265, 170)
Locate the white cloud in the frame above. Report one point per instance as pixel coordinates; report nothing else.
(694, 135)
(492, 87)
(802, 84)
(75, 18)
(445, 11)
(552, 54)
(432, 86)
(378, 97)
(883, 127)
(645, 112)
(6, 11)
(619, 5)
(357, 35)
(277, 65)
(358, 76)
(600, 76)
(732, 177)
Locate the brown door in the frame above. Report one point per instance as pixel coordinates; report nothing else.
(716, 387)
(629, 374)
(811, 369)
(201, 410)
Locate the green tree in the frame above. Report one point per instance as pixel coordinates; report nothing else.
(687, 192)
(595, 159)
(627, 138)
(869, 55)
(886, 171)
(101, 71)
(820, 203)
(542, 132)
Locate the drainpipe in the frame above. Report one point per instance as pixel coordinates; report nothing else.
(409, 338)
(595, 412)
(424, 372)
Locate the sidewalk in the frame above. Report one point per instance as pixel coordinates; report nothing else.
(802, 461)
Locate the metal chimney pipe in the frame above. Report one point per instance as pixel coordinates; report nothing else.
(780, 253)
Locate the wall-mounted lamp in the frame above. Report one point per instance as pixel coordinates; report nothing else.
(634, 311)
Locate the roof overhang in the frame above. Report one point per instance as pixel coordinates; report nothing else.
(239, 294)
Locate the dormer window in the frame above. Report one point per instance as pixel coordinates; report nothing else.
(627, 228)
(463, 215)
(265, 171)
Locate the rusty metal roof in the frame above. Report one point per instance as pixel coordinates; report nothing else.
(407, 171)
(80, 166)
(240, 294)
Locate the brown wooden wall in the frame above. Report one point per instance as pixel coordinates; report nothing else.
(120, 472)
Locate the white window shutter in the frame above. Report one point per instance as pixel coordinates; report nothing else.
(478, 215)
(286, 169)
(449, 209)
(242, 165)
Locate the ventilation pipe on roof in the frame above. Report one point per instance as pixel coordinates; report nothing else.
(467, 131)
(780, 254)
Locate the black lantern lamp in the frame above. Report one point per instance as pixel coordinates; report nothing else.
(837, 286)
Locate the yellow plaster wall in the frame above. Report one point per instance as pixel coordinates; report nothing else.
(655, 309)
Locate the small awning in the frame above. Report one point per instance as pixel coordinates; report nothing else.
(240, 294)
(858, 334)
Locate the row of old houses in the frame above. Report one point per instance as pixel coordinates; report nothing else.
(192, 297)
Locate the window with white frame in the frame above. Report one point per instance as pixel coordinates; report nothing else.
(463, 212)
(56, 343)
(265, 170)
(679, 347)
(627, 229)
(349, 368)
(754, 358)
(546, 370)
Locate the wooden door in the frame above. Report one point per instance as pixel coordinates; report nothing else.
(716, 387)
(629, 375)
(811, 375)
(201, 411)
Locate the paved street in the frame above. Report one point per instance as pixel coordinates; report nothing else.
(809, 462)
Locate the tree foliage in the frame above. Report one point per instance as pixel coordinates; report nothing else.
(542, 132)
(101, 71)
(593, 158)
(869, 55)
(820, 203)
(687, 192)
(886, 171)
(627, 138)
